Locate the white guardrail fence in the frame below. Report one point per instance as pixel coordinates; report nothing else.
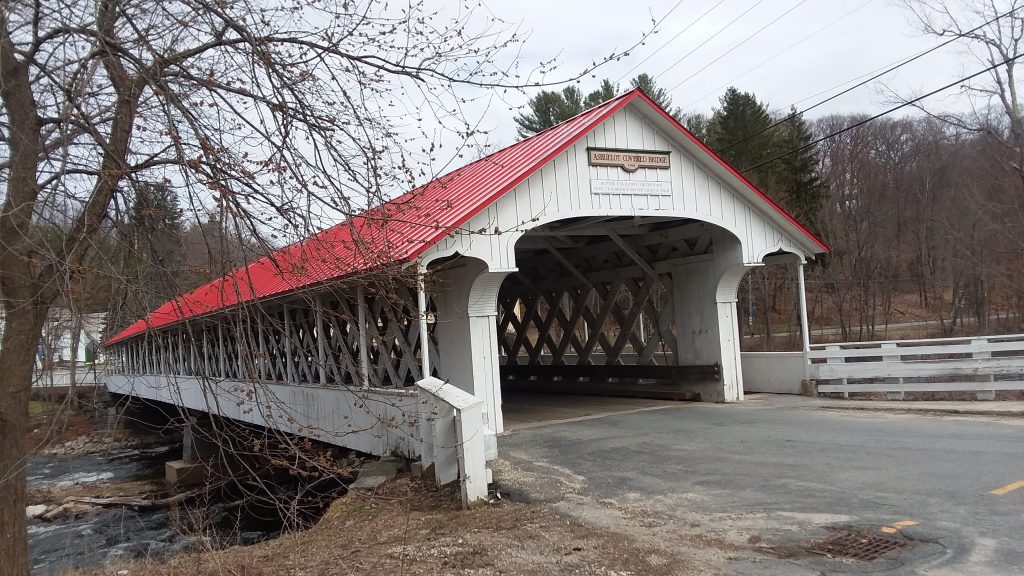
(981, 364)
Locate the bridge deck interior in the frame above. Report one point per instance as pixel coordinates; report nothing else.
(528, 409)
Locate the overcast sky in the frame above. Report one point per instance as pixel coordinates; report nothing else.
(853, 38)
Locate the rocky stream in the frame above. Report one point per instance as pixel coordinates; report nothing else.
(68, 531)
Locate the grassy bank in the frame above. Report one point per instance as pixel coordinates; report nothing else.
(410, 528)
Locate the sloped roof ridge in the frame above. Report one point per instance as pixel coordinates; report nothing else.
(267, 276)
(429, 213)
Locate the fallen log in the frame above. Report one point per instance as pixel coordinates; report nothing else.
(135, 502)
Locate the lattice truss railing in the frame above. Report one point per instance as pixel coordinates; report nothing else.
(594, 301)
(332, 339)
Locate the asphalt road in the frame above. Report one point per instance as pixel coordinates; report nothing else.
(775, 474)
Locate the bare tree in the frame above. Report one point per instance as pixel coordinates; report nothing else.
(271, 114)
(992, 31)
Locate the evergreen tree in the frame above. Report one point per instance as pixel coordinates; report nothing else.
(738, 132)
(604, 93)
(646, 83)
(697, 124)
(797, 176)
(548, 109)
(660, 95)
(155, 255)
(155, 206)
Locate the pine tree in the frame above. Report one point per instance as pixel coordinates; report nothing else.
(548, 109)
(738, 132)
(741, 132)
(697, 123)
(604, 93)
(660, 96)
(797, 176)
(154, 254)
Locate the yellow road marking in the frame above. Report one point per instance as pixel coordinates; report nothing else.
(905, 523)
(896, 526)
(1008, 488)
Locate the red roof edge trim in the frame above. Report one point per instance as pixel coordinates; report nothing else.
(735, 173)
(623, 101)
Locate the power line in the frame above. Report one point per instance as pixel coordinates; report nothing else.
(844, 83)
(741, 43)
(669, 13)
(670, 40)
(776, 55)
(886, 113)
(872, 78)
(709, 39)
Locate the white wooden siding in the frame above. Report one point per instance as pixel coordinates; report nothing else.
(373, 421)
(562, 189)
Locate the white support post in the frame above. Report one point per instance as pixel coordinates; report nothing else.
(287, 348)
(364, 341)
(899, 395)
(421, 295)
(158, 355)
(240, 346)
(193, 357)
(805, 334)
(729, 341)
(837, 359)
(321, 343)
(221, 357)
(262, 373)
(206, 353)
(180, 340)
(983, 394)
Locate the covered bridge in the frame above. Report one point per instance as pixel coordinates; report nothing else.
(602, 254)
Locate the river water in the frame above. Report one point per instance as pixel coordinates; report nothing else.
(110, 535)
(106, 536)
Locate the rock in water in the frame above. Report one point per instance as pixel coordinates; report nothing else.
(36, 511)
(67, 510)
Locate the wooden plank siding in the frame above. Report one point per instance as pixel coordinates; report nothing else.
(562, 189)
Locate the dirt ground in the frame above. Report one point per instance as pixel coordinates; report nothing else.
(49, 425)
(410, 528)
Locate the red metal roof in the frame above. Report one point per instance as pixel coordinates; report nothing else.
(401, 229)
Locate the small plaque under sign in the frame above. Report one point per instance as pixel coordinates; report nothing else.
(631, 187)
